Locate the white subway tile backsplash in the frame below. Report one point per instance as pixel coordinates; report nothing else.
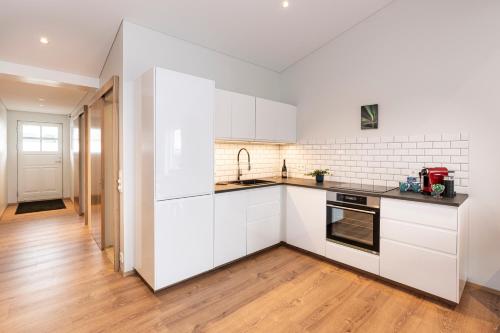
(424, 145)
(460, 144)
(416, 138)
(368, 160)
(433, 137)
(441, 144)
(401, 138)
(451, 136)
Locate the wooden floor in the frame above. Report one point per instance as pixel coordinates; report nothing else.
(9, 215)
(54, 279)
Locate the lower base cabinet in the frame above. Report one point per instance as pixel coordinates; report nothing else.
(183, 238)
(246, 221)
(424, 246)
(430, 271)
(306, 219)
(230, 236)
(263, 218)
(356, 258)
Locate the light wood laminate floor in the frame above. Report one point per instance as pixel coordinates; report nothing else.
(54, 279)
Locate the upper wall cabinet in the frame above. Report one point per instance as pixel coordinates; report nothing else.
(243, 117)
(234, 116)
(222, 125)
(275, 121)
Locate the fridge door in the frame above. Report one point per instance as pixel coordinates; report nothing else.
(184, 140)
(184, 241)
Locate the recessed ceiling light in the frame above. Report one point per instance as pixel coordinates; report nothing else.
(285, 4)
(44, 40)
(41, 105)
(41, 99)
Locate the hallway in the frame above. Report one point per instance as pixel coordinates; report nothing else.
(52, 274)
(53, 278)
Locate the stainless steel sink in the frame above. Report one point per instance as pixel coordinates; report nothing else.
(250, 182)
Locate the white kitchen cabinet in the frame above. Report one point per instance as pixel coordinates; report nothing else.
(184, 239)
(431, 271)
(306, 219)
(423, 246)
(263, 218)
(230, 237)
(353, 257)
(275, 121)
(183, 113)
(242, 117)
(247, 118)
(245, 222)
(222, 126)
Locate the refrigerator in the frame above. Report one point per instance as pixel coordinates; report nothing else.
(175, 176)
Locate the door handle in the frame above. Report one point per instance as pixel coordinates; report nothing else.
(352, 209)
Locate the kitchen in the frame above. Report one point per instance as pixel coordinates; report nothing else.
(189, 226)
(324, 166)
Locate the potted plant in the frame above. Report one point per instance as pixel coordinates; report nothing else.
(319, 174)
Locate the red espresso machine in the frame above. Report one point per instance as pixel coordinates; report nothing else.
(431, 176)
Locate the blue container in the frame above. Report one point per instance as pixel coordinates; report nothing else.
(404, 186)
(320, 178)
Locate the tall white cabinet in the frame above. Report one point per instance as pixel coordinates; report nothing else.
(174, 168)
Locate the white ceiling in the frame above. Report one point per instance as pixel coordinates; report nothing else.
(19, 95)
(258, 31)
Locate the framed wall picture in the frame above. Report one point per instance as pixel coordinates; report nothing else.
(369, 116)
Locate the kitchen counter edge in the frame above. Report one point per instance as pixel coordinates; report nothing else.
(457, 201)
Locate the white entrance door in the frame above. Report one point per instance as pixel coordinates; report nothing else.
(39, 161)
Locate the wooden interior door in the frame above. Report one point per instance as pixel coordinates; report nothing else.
(95, 172)
(102, 182)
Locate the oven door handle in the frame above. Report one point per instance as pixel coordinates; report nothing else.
(353, 209)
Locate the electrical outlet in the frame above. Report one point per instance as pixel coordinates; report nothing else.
(121, 257)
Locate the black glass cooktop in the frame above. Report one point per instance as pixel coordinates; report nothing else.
(361, 188)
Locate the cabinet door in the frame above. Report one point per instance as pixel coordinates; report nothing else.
(263, 233)
(183, 239)
(242, 116)
(230, 227)
(184, 109)
(275, 121)
(306, 219)
(427, 270)
(287, 115)
(263, 218)
(266, 120)
(222, 126)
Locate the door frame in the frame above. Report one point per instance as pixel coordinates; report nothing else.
(110, 85)
(18, 146)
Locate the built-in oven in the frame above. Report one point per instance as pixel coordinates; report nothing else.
(353, 220)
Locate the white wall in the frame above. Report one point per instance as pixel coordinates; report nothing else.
(3, 158)
(433, 67)
(136, 50)
(12, 118)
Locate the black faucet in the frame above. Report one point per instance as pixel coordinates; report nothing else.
(239, 169)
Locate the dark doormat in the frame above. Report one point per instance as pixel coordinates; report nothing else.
(39, 206)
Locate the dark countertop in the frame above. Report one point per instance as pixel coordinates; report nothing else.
(419, 197)
(336, 186)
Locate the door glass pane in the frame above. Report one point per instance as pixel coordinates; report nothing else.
(352, 225)
(31, 145)
(50, 145)
(31, 131)
(50, 132)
